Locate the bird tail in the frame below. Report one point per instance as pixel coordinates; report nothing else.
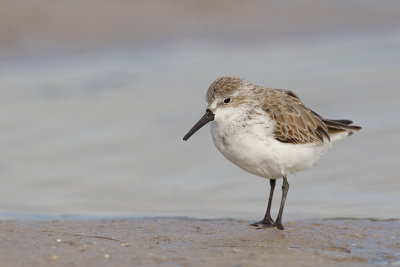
(340, 126)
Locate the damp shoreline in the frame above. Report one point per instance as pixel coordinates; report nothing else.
(190, 241)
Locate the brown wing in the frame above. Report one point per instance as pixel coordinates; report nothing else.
(294, 122)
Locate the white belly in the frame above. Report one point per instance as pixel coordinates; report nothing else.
(256, 151)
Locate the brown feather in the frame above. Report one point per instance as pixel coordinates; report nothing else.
(294, 122)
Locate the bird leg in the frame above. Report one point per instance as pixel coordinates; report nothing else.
(285, 189)
(267, 221)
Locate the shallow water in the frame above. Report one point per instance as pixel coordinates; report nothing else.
(100, 132)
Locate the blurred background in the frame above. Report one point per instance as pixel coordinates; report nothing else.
(96, 95)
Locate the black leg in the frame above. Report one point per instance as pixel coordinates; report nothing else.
(285, 189)
(267, 221)
(267, 217)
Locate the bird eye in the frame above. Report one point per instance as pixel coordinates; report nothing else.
(227, 100)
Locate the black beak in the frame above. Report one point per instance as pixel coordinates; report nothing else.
(209, 116)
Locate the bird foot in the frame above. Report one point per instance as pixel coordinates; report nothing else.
(268, 224)
(279, 225)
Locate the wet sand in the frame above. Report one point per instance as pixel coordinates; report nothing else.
(180, 241)
(111, 120)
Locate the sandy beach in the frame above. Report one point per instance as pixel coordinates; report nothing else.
(180, 241)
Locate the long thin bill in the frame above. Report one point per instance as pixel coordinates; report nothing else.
(209, 116)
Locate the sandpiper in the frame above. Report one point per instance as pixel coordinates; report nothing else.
(267, 132)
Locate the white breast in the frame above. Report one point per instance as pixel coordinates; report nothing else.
(250, 144)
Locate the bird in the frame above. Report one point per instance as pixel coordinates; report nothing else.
(267, 132)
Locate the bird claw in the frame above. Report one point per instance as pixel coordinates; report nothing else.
(268, 224)
(279, 225)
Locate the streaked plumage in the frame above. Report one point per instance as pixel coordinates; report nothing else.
(267, 132)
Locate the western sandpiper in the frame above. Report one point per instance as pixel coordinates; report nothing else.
(267, 132)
